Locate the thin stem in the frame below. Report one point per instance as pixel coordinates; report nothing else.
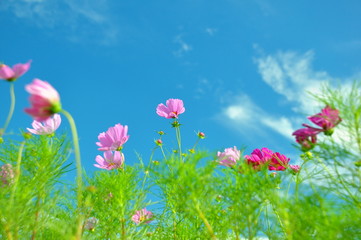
(78, 169)
(11, 110)
(16, 180)
(279, 220)
(205, 221)
(178, 135)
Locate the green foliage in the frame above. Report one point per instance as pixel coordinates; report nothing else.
(190, 195)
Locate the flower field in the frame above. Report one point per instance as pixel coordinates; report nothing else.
(184, 193)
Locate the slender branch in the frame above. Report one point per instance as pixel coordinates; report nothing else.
(78, 169)
(11, 110)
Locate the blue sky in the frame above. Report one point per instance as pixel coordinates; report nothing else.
(242, 68)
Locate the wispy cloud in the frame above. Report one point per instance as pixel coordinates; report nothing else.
(183, 47)
(291, 75)
(211, 31)
(79, 20)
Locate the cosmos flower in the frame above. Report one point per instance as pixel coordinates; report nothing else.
(113, 139)
(307, 137)
(46, 127)
(259, 157)
(327, 119)
(11, 74)
(110, 160)
(279, 162)
(44, 99)
(229, 157)
(142, 216)
(172, 109)
(295, 168)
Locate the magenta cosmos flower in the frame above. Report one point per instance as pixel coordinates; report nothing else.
(111, 160)
(279, 162)
(11, 74)
(327, 119)
(44, 99)
(259, 157)
(46, 127)
(266, 157)
(142, 216)
(229, 157)
(172, 109)
(113, 139)
(307, 137)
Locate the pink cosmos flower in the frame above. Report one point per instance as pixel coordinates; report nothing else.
(229, 157)
(327, 119)
(44, 99)
(307, 137)
(142, 216)
(113, 139)
(6, 175)
(173, 108)
(279, 162)
(110, 161)
(46, 127)
(295, 168)
(259, 157)
(11, 74)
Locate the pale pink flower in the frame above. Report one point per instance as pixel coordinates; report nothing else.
(142, 216)
(259, 157)
(327, 119)
(307, 137)
(173, 108)
(295, 168)
(113, 139)
(11, 74)
(91, 223)
(229, 157)
(6, 174)
(46, 127)
(278, 162)
(110, 160)
(44, 99)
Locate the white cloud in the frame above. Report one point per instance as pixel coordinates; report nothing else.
(246, 117)
(183, 47)
(211, 31)
(79, 20)
(292, 76)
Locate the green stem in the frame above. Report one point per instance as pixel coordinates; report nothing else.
(78, 170)
(279, 220)
(11, 110)
(16, 180)
(178, 135)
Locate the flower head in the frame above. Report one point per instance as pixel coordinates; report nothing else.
(6, 174)
(201, 135)
(279, 162)
(46, 127)
(306, 137)
(44, 99)
(327, 119)
(259, 157)
(295, 168)
(142, 216)
(11, 74)
(172, 109)
(110, 160)
(229, 157)
(113, 139)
